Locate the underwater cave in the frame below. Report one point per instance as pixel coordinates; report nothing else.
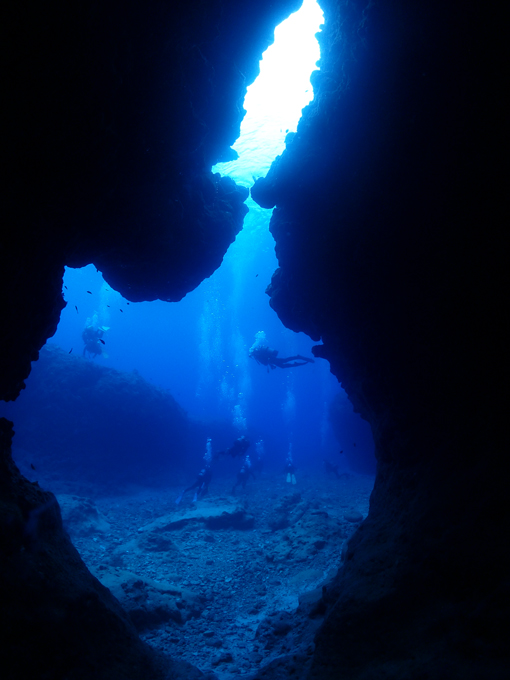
(157, 254)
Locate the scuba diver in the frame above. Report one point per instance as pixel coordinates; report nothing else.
(244, 474)
(238, 448)
(258, 463)
(201, 483)
(289, 467)
(331, 468)
(265, 355)
(92, 336)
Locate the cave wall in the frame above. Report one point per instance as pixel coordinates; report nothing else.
(387, 240)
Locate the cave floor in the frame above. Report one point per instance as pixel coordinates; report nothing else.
(224, 599)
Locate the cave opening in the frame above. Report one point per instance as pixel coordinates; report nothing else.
(128, 426)
(274, 102)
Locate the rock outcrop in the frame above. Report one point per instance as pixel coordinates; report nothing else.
(219, 513)
(93, 424)
(150, 603)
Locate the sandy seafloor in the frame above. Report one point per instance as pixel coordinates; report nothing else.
(236, 590)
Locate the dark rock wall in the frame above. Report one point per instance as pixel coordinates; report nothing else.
(386, 234)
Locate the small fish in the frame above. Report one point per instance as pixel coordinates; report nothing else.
(65, 287)
(127, 303)
(89, 292)
(342, 451)
(108, 306)
(122, 311)
(104, 343)
(76, 309)
(354, 444)
(256, 275)
(70, 350)
(32, 466)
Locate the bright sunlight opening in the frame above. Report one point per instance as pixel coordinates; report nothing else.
(275, 100)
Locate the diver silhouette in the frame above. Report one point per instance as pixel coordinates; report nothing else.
(244, 474)
(258, 464)
(238, 448)
(267, 356)
(201, 484)
(290, 468)
(92, 337)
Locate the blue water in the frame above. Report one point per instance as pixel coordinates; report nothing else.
(198, 348)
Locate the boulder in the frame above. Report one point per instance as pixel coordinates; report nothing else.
(287, 512)
(219, 513)
(81, 517)
(150, 603)
(353, 516)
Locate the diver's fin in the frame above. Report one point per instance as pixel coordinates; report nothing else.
(288, 477)
(178, 500)
(293, 479)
